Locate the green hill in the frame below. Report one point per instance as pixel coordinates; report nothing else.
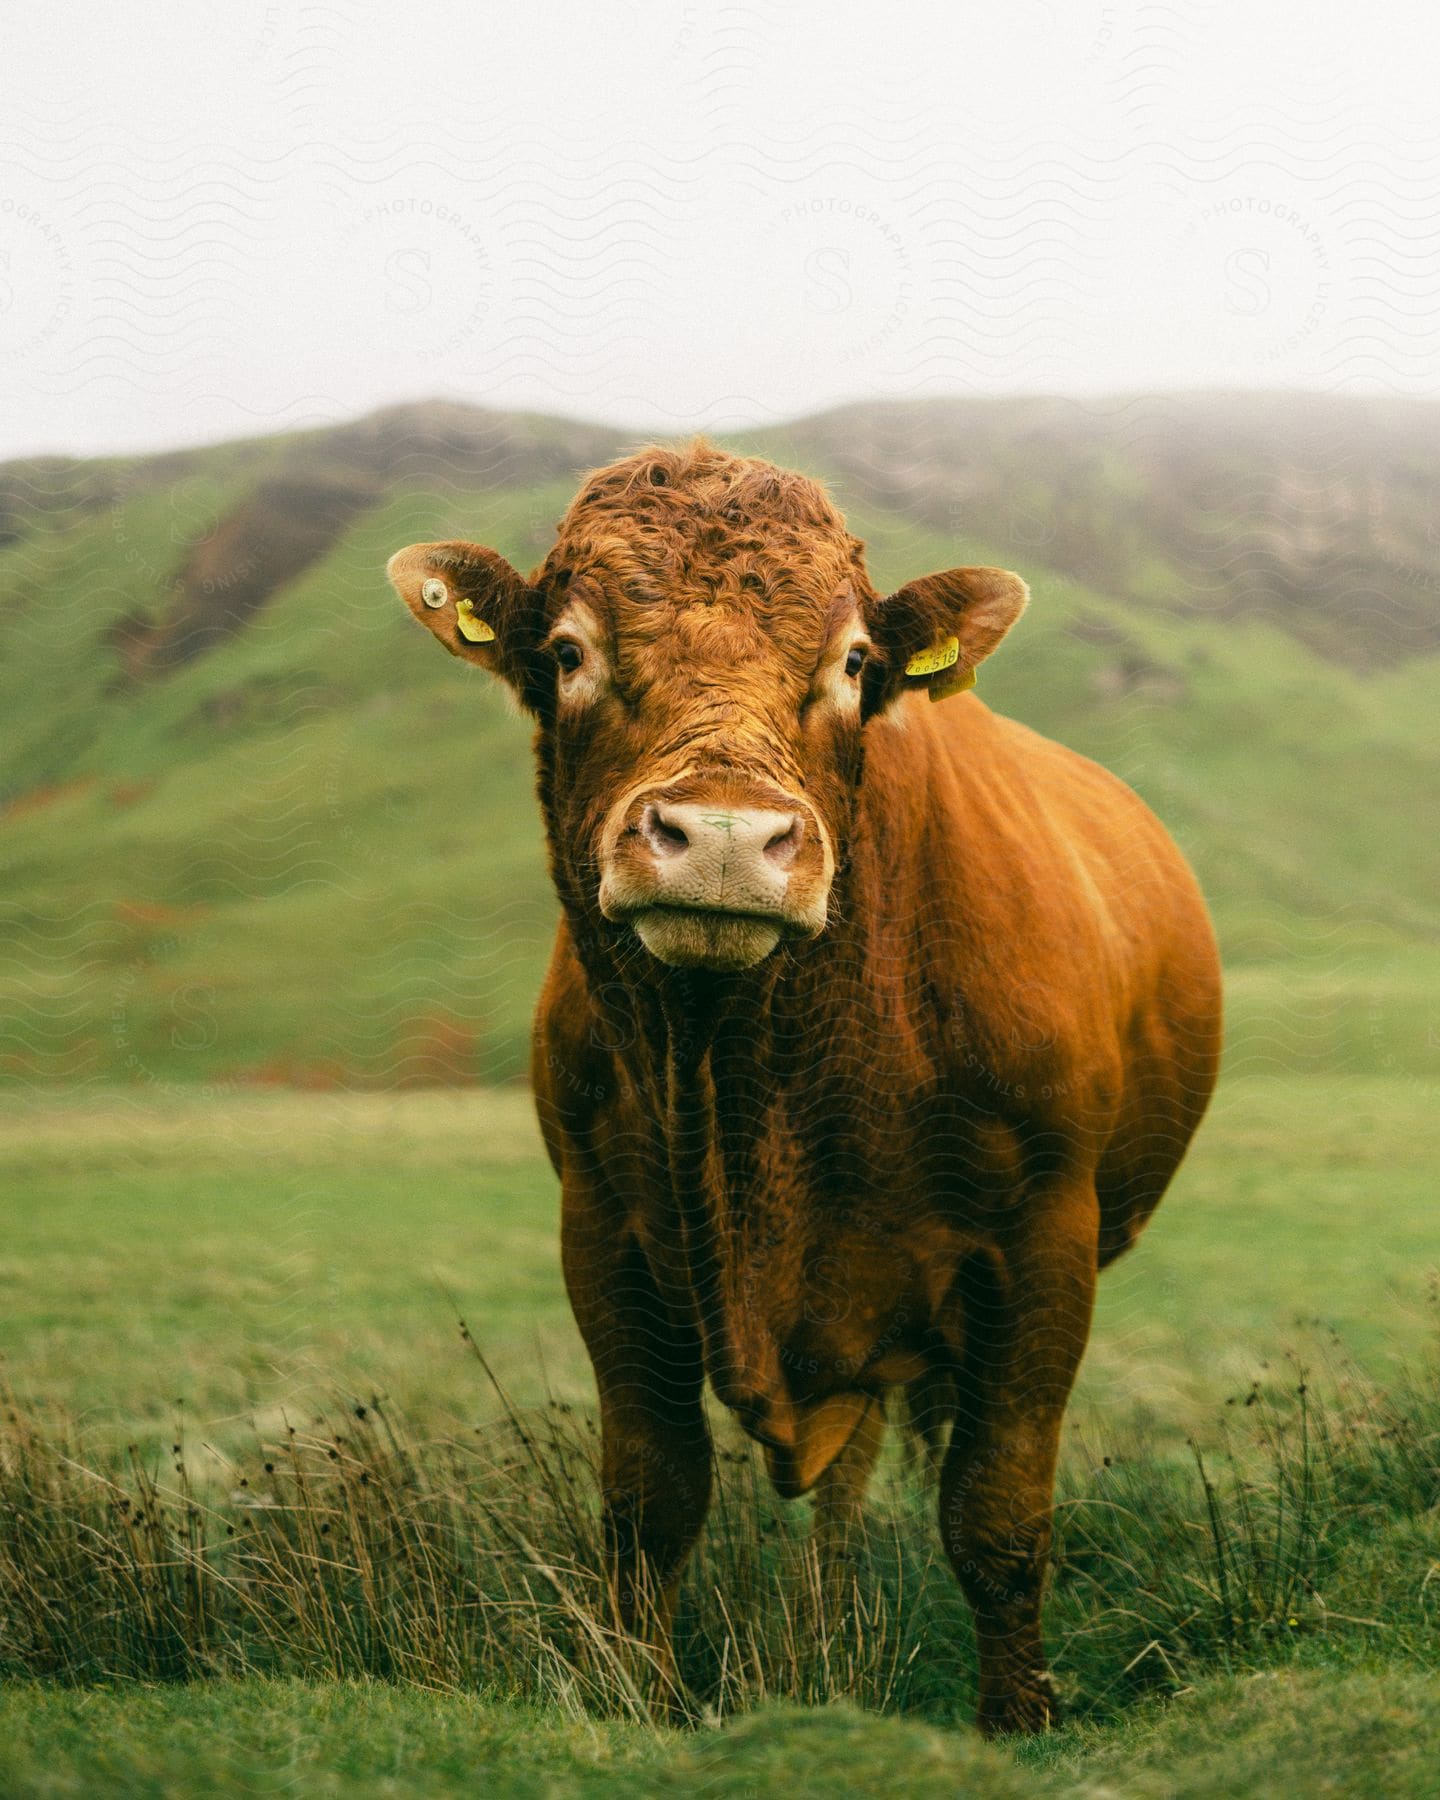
(253, 827)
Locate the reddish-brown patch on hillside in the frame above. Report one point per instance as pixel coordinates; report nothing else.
(128, 793)
(78, 1058)
(431, 1050)
(265, 543)
(152, 913)
(36, 799)
(320, 1077)
(147, 930)
(436, 1050)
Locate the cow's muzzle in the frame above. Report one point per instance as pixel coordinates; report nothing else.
(715, 881)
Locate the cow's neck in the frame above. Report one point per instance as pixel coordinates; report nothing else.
(728, 1062)
(734, 1046)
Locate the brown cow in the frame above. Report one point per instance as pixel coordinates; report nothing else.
(872, 1030)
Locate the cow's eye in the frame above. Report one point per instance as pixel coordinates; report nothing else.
(568, 655)
(855, 662)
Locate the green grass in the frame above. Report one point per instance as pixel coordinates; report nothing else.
(237, 1273)
(1359, 1736)
(1266, 1737)
(239, 1251)
(240, 1254)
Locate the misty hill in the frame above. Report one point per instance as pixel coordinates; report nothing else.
(255, 826)
(1314, 511)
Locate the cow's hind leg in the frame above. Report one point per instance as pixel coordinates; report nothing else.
(1024, 1331)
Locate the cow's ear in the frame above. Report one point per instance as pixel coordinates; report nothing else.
(474, 602)
(936, 631)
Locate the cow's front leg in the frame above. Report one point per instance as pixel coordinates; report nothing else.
(656, 1474)
(1024, 1333)
(655, 1440)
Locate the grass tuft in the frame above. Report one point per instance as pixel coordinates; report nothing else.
(1301, 1532)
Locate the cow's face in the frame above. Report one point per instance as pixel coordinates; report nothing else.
(703, 650)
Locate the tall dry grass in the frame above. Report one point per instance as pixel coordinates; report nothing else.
(355, 1547)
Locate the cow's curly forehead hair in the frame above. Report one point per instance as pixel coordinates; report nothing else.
(698, 523)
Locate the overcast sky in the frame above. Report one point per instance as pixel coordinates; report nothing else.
(221, 219)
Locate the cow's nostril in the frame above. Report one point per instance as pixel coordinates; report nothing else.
(784, 846)
(662, 834)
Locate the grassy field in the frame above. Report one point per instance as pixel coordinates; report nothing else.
(238, 1253)
(1267, 1737)
(273, 913)
(224, 1271)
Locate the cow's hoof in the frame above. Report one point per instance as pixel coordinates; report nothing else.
(1028, 1704)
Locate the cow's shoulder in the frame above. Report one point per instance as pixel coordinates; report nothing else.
(1031, 888)
(1035, 835)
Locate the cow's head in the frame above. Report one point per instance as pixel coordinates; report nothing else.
(703, 650)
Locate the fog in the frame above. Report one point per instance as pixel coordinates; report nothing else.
(220, 220)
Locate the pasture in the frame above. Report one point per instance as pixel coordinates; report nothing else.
(370, 1565)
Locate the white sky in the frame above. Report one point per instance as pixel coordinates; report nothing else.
(220, 219)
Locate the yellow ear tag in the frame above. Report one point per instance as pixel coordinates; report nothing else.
(938, 656)
(473, 630)
(956, 682)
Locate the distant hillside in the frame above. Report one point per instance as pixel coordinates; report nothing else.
(1316, 512)
(443, 443)
(253, 826)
